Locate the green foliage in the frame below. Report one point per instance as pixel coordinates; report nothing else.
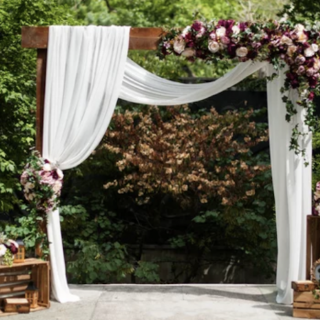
(18, 87)
(147, 272)
(98, 263)
(302, 11)
(27, 228)
(316, 156)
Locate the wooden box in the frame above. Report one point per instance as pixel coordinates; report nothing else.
(306, 304)
(313, 243)
(14, 281)
(20, 305)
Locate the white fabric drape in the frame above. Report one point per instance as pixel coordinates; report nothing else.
(84, 73)
(141, 86)
(86, 66)
(292, 189)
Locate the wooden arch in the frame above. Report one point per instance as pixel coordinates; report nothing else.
(37, 38)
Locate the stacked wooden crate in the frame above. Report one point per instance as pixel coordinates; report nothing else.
(306, 300)
(14, 281)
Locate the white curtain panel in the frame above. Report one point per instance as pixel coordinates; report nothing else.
(292, 189)
(85, 69)
(86, 66)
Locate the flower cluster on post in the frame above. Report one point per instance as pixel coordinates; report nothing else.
(316, 201)
(42, 183)
(8, 248)
(280, 43)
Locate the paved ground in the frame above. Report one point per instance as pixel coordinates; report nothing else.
(167, 302)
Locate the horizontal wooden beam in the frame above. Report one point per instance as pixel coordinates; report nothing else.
(140, 38)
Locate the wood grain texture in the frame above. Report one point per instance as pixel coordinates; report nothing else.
(140, 38)
(305, 285)
(313, 243)
(41, 86)
(306, 313)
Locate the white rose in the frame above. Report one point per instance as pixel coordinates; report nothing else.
(220, 32)
(315, 47)
(286, 40)
(316, 64)
(291, 50)
(57, 186)
(235, 29)
(298, 27)
(3, 250)
(179, 45)
(213, 46)
(242, 52)
(301, 37)
(47, 167)
(186, 30)
(308, 52)
(60, 174)
(29, 186)
(30, 196)
(189, 52)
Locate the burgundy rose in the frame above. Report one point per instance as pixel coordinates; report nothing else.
(252, 54)
(313, 81)
(232, 50)
(294, 82)
(310, 62)
(311, 96)
(188, 37)
(12, 248)
(197, 25)
(228, 24)
(256, 45)
(243, 26)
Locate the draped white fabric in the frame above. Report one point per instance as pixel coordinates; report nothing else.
(292, 189)
(86, 73)
(141, 86)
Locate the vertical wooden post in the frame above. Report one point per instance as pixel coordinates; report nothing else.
(313, 243)
(41, 85)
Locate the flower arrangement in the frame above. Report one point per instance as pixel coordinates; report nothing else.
(280, 43)
(8, 248)
(42, 183)
(316, 201)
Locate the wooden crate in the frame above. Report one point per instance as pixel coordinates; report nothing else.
(305, 303)
(313, 243)
(14, 281)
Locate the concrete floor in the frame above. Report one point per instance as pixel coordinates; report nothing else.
(169, 302)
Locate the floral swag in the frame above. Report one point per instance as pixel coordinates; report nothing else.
(42, 183)
(280, 43)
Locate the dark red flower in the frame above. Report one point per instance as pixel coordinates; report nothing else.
(313, 82)
(12, 248)
(311, 96)
(197, 25)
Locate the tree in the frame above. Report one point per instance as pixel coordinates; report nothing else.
(18, 87)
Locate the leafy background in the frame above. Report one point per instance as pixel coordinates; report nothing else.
(107, 235)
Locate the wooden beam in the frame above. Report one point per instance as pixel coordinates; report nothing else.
(41, 85)
(140, 38)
